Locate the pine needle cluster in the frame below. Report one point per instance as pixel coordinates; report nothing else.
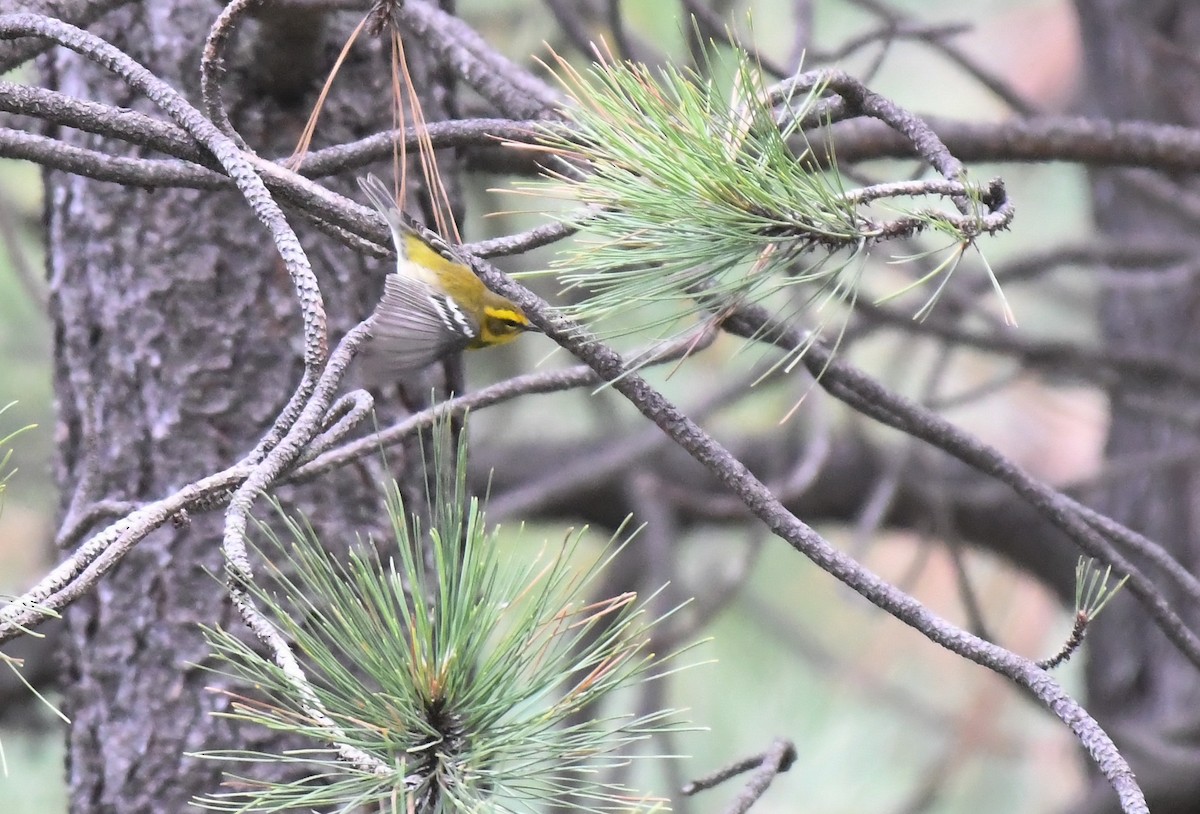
(480, 680)
(701, 194)
(688, 189)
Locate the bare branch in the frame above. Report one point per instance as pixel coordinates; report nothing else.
(766, 766)
(739, 480)
(226, 152)
(1088, 141)
(514, 91)
(869, 397)
(79, 12)
(956, 55)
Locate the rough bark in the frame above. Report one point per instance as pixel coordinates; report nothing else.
(177, 342)
(1139, 66)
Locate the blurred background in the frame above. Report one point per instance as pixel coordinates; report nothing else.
(883, 720)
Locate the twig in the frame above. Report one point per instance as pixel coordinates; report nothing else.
(165, 137)
(778, 759)
(106, 120)
(234, 162)
(889, 33)
(1089, 141)
(78, 12)
(261, 476)
(960, 57)
(855, 388)
(1108, 368)
(212, 65)
(442, 135)
(853, 99)
(516, 92)
(547, 382)
(79, 573)
(142, 172)
(83, 568)
(1073, 643)
(758, 498)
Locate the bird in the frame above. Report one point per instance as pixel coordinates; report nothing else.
(433, 305)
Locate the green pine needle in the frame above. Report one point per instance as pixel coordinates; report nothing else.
(687, 190)
(697, 198)
(6, 454)
(1092, 589)
(472, 694)
(14, 664)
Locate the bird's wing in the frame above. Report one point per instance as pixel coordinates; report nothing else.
(413, 326)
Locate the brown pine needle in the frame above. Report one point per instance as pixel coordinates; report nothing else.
(601, 670)
(400, 145)
(310, 126)
(602, 608)
(376, 21)
(439, 198)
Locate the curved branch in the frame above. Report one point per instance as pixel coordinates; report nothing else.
(859, 100)
(212, 66)
(282, 454)
(78, 12)
(867, 396)
(234, 162)
(513, 90)
(80, 571)
(734, 475)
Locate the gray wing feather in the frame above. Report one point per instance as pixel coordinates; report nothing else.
(413, 326)
(381, 198)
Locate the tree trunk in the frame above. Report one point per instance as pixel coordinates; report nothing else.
(177, 342)
(1139, 64)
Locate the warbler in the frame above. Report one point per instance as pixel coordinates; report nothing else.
(433, 305)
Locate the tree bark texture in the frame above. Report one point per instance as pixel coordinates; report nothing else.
(1140, 65)
(177, 342)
